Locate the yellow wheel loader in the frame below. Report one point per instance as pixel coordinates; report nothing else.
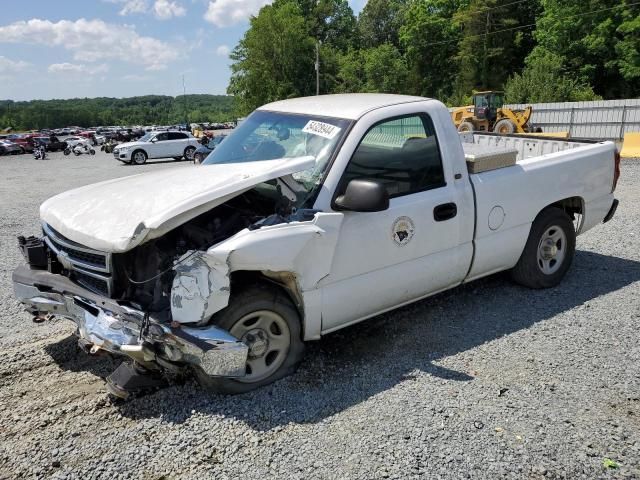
(488, 115)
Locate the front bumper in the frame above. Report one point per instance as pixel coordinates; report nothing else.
(105, 324)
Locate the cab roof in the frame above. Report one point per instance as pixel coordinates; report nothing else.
(347, 105)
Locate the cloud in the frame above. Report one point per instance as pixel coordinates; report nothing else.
(93, 40)
(164, 9)
(225, 13)
(223, 50)
(134, 77)
(130, 6)
(10, 66)
(161, 9)
(133, 6)
(77, 68)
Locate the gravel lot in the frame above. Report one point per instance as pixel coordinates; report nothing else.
(489, 380)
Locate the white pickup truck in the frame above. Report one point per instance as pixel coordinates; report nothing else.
(314, 214)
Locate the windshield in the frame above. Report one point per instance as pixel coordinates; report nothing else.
(270, 135)
(146, 137)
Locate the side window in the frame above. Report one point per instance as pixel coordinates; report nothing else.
(401, 153)
(177, 136)
(161, 137)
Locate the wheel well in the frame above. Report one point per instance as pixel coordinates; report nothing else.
(572, 206)
(138, 150)
(284, 281)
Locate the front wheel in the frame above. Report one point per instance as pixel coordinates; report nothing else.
(67, 151)
(139, 157)
(265, 319)
(92, 151)
(548, 252)
(504, 127)
(466, 127)
(188, 153)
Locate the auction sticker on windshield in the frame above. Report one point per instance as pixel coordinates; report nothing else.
(322, 129)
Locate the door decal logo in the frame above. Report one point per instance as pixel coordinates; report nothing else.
(403, 230)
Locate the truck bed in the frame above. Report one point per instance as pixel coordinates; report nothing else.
(508, 198)
(525, 146)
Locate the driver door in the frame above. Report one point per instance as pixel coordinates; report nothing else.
(412, 249)
(158, 147)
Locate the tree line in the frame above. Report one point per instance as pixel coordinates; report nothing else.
(87, 112)
(536, 50)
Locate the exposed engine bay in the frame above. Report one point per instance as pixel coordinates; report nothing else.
(143, 276)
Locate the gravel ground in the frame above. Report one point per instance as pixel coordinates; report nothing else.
(489, 380)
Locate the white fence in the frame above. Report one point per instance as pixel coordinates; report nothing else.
(601, 120)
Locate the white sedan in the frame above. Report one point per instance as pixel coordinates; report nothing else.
(171, 144)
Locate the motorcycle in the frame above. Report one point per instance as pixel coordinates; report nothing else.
(80, 148)
(109, 146)
(39, 152)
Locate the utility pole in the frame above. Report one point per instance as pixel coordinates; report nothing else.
(318, 67)
(485, 82)
(184, 96)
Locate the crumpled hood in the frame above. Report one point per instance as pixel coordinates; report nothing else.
(116, 215)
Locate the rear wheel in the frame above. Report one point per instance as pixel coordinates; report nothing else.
(504, 127)
(465, 127)
(548, 252)
(139, 157)
(265, 319)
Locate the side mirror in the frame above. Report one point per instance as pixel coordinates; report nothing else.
(364, 196)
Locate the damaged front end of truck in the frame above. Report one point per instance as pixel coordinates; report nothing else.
(142, 280)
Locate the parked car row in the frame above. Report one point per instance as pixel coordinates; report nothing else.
(15, 144)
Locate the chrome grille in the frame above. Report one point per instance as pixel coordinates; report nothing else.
(89, 268)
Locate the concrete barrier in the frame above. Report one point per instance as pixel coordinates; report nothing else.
(631, 145)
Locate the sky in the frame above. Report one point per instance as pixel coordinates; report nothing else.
(120, 48)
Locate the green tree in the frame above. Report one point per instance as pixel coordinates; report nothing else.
(542, 80)
(380, 22)
(597, 40)
(274, 59)
(379, 69)
(91, 112)
(429, 39)
(331, 22)
(495, 39)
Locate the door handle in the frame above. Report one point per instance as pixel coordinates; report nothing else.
(445, 212)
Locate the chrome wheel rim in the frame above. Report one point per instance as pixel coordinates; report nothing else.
(189, 153)
(551, 250)
(268, 337)
(138, 157)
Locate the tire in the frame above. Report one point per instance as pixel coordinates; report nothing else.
(77, 153)
(549, 250)
(139, 157)
(92, 151)
(270, 305)
(504, 127)
(466, 127)
(197, 158)
(67, 151)
(188, 153)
